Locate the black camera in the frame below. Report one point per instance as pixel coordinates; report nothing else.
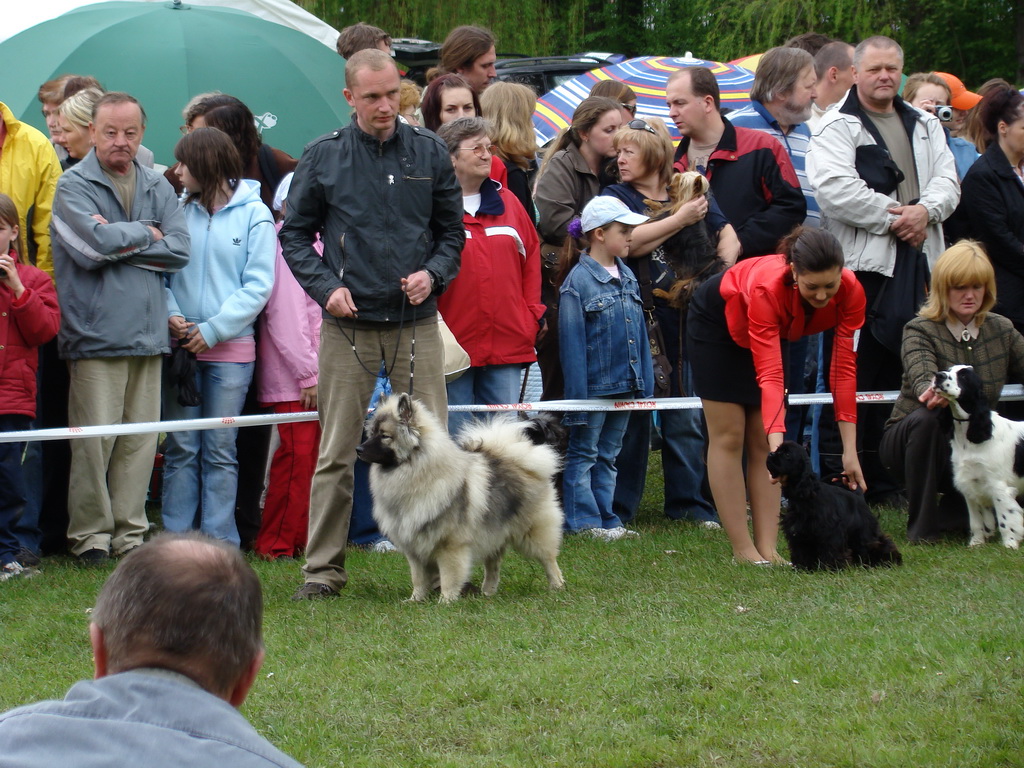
(945, 114)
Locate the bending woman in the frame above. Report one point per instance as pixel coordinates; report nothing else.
(954, 327)
(738, 325)
(212, 304)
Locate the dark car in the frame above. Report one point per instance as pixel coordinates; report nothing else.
(545, 73)
(542, 73)
(415, 57)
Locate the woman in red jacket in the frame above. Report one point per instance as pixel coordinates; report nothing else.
(493, 307)
(29, 318)
(736, 329)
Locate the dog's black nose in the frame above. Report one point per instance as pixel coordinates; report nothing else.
(359, 451)
(940, 376)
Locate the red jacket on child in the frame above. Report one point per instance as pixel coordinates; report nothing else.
(26, 324)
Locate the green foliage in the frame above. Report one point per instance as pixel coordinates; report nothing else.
(972, 38)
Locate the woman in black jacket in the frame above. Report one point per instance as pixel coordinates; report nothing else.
(992, 200)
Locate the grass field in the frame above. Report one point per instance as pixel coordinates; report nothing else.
(660, 652)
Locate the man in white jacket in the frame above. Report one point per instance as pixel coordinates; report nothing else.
(871, 132)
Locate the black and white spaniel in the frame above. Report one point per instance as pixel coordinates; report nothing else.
(827, 526)
(988, 457)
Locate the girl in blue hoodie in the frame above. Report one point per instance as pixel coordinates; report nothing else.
(212, 307)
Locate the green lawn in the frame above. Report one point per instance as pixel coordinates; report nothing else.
(659, 652)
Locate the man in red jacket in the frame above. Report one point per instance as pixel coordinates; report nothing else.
(751, 175)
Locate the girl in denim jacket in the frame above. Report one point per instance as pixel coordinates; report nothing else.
(604, 354)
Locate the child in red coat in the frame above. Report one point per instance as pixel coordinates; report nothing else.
(29, 317)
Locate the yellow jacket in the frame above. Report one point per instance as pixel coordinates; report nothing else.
(29, 170)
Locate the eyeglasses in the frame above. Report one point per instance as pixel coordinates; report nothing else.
(480, 150)
(631, 108)
(641, 125)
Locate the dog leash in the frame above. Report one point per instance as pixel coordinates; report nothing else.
(394, 359)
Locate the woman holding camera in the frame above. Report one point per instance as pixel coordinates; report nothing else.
(929, 92)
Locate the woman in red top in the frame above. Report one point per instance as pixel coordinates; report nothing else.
(736, 327)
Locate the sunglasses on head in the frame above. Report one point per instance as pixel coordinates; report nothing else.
(640, 125)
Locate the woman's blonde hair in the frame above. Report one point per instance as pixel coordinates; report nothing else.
(509, 109)
(408, 95)
(963, 263)
(77, 109)
(656, 149)
(916, 80)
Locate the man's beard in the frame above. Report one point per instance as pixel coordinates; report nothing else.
(795, 114)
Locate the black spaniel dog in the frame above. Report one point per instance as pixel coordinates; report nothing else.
(828, 527)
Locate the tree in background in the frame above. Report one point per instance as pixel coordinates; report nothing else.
(975, 39)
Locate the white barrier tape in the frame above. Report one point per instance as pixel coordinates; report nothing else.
(1010, 392)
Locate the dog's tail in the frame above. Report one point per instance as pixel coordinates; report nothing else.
(506, 440)
(882, 551)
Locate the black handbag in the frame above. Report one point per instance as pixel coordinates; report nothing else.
(900, 297)
(183, 373)
(656, 341)
(876, 167)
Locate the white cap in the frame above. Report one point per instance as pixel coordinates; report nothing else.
(601, 211)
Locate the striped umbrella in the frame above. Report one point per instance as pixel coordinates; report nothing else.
(748, 62)
(647, 76)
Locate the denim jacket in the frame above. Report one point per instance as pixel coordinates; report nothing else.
(602, 335)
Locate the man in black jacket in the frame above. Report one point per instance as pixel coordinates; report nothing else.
(385, 199)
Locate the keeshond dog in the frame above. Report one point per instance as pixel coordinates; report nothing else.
(448, 504)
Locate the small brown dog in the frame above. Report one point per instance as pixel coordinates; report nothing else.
(690, 252)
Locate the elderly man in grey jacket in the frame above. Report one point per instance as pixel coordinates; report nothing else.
(177, 644)
(116, 230)
(869, 131)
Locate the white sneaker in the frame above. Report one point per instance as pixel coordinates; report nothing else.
(595, 533)
(384, 545)
(711, 525)
(11, 570)
(614, 534)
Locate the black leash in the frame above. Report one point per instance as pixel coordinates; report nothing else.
(387, 368)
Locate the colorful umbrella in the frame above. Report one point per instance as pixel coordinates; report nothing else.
(647, 76)
(748, 62)
(165, 53)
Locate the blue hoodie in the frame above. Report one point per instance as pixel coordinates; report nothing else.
(231, 269)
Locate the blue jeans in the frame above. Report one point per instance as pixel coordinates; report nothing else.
(682, 464)
(483, 385)
(12, 486)
(200, 467)
(589, 480)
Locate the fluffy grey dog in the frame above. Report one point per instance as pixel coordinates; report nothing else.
(446, 505)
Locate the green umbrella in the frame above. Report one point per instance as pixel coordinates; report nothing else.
(165, 53)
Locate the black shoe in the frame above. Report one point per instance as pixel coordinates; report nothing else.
(27, 557)
(93, 558)
(314, 590)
